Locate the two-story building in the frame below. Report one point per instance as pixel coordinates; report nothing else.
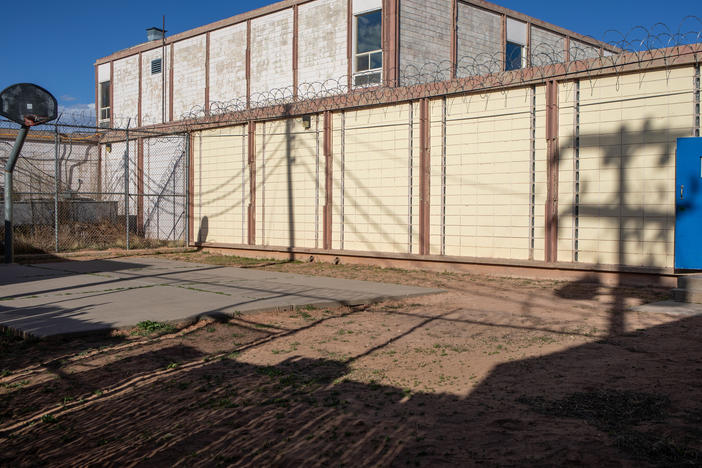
(433, 133)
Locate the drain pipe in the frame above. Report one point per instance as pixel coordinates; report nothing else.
(9, 167)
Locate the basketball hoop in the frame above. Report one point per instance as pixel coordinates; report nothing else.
(28, 105)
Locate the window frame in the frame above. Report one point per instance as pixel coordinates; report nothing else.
(522, 57)
(105, 111)
(368, 76)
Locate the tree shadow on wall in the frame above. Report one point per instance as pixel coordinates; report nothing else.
(628, 211)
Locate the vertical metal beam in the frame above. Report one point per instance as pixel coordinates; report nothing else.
(189, 209)
(696, 101)
(244, 212)
(424, 176)
(248, 64)
(444, 151)
(328, 179)
(576, 170)
(551, 237)
(349, 43)
(295, 46)
(126, 187)
(170, 86)
(207, 73)
(139, 92)
(343, 179)
(97, 97)
(316, 181)
(263, 183)
(57, 177)
(528, 45)
(532, 173)
(9, 167)
(112, 100)
(410, 178)
(390, 40)
(252, 182)
(503, 30)
(140, 186)
(454, 38)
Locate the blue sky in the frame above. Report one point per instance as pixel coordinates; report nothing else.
(54, 44)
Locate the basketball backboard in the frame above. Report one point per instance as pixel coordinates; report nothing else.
(28, 104)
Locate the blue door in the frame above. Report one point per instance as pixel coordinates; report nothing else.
(688, 204)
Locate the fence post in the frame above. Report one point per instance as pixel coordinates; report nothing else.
(57, 174)
(187, 190)
(126, 186)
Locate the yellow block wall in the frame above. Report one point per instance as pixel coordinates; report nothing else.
(221, 185)
(488, 176)
(629, 127)
(289, 205)
(376, 196)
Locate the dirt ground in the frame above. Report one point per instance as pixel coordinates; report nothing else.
(495, 371)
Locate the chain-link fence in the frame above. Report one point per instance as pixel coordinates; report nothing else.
(73, 190)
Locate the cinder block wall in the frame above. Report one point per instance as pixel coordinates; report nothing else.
(425, 40)
(322, 61)
(479, 41)
(228, 65)
(271, 53)
(221, 185)
(488, 177)
(189, 77)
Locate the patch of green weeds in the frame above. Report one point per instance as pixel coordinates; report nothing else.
(150, 327)
(49, 418)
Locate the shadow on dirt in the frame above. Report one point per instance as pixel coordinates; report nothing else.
(633, 397)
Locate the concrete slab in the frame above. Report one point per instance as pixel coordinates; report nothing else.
(685, 309)
(78, 297)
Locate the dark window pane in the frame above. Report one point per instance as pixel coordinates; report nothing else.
(376, 60)
(514, 56)
(105, 94)
(374, 78)
(362, 63)
(368, 31)
(360, 80)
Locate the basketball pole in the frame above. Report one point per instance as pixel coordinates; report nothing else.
(9, 167)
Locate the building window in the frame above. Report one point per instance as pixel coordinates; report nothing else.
(368, 61)
(515, 56)
(156, 66)
(516, 46)
(105, 100)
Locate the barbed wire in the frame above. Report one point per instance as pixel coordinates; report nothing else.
(640, 47)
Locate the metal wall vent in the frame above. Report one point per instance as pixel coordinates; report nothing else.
(156, 66)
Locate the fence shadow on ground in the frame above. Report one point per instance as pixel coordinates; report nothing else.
(633, 398)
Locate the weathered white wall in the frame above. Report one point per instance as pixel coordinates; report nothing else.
(151, 87)
(126, 89)
(271, 54)
(479, 41)
(189, 77)
(322, 61)
(546, 47)
(227, 66)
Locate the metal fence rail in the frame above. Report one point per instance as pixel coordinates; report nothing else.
(70, 192)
